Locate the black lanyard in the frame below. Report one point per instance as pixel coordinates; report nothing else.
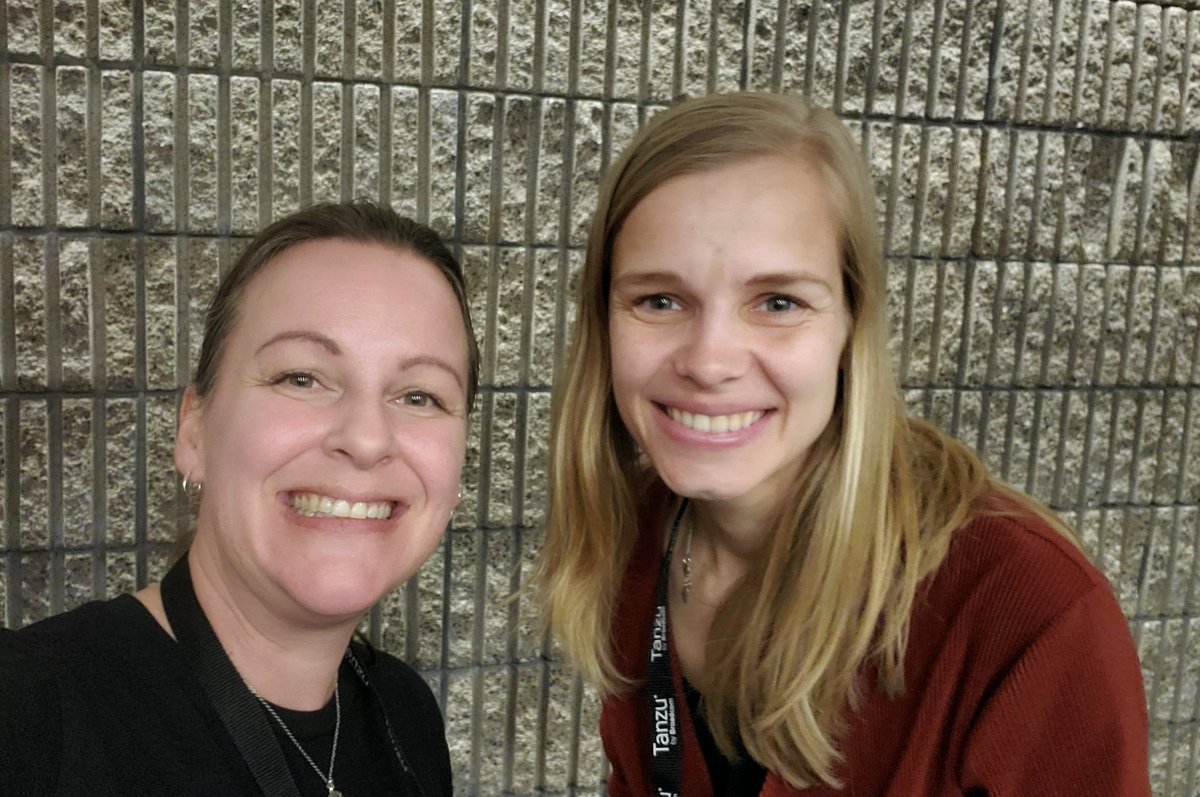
(239, 710)
(666, 745)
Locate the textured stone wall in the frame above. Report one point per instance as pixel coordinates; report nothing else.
(1037, 168)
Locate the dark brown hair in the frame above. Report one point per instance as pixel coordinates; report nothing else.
(359, 220)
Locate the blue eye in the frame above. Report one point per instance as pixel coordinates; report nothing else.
(780, 304)
(657, 301)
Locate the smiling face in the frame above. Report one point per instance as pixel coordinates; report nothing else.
(727, 323)
(332, 442)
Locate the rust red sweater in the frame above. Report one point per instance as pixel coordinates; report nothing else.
(1022, 679)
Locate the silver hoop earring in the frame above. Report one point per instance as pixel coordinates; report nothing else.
(190, 488)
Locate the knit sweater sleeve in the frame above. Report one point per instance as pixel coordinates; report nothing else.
(1069, 717)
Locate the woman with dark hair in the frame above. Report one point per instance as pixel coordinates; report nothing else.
(778, 581)
(323, 440)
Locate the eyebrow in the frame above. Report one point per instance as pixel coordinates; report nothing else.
(436, 362)
(330, 345)
(779, 279)
(784, 278)
(323, 341)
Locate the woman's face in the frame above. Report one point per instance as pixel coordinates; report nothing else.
(727, 323)
(332, 442)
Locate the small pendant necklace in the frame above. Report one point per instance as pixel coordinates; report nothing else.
(337, 726)
(685, 561)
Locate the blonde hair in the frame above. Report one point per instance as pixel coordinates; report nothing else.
(870, 517)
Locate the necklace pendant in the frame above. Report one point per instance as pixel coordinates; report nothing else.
(686, 566)
(334, 793)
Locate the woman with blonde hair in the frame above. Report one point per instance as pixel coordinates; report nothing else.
(779, 582)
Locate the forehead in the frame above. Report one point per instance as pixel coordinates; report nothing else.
(352, 286)
(750, 213)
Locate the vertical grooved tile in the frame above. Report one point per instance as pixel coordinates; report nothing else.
(329, 37)
(662, 51)
(367, 151)
(368, 30)
(588, 136)
(159, 33)
(484, 57)
(29, 296)
(327, 142)
(441, 191)
(34, 467)
(72, 146)
(590, 61)
(245, 130)
(405, 138)
(285, 146)
(247, 29)
(116, 150)
(120, 454)
(627, 48)
(168, 513)
(159, 152)
(74, 315)
(524, 72)
(476, 165)
(26, 145)
(202, 154)
(202, 33)
(407, 37)
(117, 263)
(446, 36)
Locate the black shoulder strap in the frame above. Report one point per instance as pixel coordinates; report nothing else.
(243, 716)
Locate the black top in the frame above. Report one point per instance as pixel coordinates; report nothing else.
(729, 778)
(99, 701)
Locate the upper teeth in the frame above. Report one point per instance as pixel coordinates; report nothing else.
(715, 423)
(314, 505)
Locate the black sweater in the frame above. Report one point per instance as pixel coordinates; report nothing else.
(99, 701)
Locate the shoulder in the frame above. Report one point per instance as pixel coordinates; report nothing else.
(1010, 577)
(413, 714)
(403, 691)
(1014, 550)
(41, 669)
(47, 647)
(391, 674)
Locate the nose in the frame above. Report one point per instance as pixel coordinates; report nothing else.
(715, 350)
(361, 431)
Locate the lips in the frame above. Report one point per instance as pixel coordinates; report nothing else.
(318, 505)
(714, 424)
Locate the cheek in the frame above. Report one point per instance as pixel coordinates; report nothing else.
(436, 455)
(260, 435)
(634, 359)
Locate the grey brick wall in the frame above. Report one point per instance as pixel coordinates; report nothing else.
(1037, 163)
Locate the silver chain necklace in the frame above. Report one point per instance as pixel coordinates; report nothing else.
(337, 726)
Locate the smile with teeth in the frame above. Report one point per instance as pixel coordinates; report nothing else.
(314, 505)
(714, 424)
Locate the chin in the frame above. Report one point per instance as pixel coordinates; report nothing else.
(338, 596)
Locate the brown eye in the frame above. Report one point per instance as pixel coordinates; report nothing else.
(297, 379)
(421, 400)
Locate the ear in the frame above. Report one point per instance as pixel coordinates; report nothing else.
(189, 448)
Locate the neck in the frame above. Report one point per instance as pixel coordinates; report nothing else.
(724, 542)
(287, 662)
(734, 533)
